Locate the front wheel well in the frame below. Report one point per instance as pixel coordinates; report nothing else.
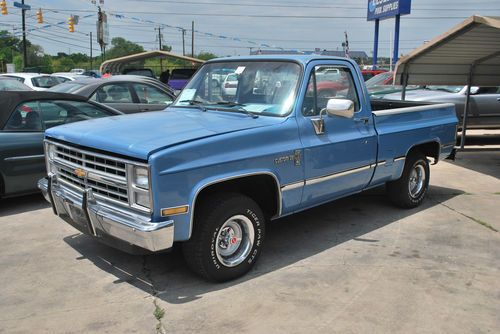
(429, 149)
(262, 188)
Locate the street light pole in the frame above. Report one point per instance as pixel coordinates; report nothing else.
(192, 39)
(25, 52)
(90, 50)
(183, 42)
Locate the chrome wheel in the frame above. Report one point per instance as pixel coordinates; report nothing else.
(417, 180)
(234, 240)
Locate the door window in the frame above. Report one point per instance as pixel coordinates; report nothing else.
(26, 117)
(114, 93)
(63, 112)
(328, 82)
(487, 90)
(151, 95)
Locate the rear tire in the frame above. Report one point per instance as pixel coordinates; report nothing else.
(410, 189)
(227, 238)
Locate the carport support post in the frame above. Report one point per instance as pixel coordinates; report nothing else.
(466, 107)
(395, 56)
(375, 44)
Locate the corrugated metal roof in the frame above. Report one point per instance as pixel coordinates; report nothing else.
(117, 63)
(447, 59)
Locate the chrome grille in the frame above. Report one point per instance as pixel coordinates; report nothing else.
(106, 176)
(90, 161)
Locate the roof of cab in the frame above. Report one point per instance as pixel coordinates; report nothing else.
(302, 59)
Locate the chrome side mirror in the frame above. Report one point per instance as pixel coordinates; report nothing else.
(340, 107)
(337, 107)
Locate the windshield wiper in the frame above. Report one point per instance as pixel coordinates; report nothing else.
(240, 109)
(197, 103)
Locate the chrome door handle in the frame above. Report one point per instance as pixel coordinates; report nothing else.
(365, 120)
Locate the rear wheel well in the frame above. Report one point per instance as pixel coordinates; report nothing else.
(430, 149)
(262, 188)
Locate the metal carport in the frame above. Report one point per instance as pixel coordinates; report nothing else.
(468, 54)
(117, 65)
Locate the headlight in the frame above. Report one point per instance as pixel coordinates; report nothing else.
(142, 199)
(141, 177)
(51, 152)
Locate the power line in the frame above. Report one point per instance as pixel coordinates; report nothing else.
(62, 42)
(264, 16)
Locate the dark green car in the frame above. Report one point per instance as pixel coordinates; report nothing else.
(24, 116)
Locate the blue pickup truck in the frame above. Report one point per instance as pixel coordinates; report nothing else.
(211, 170)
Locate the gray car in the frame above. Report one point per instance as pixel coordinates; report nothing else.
(127, 93)
(484, 109)
(24, 116)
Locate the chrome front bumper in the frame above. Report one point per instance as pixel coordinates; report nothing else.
(84, 212)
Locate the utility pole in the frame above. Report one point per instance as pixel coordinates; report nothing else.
(25, 51)
(90, 50)
(192, 39)
(159, 47)
(183, 42)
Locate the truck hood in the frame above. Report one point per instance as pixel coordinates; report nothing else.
(139, 135)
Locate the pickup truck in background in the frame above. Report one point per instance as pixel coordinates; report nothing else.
(212, 169)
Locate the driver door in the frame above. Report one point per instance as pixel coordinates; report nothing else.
(339, 160)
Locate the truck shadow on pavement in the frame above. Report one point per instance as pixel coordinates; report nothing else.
(15, 205)
(289, 240)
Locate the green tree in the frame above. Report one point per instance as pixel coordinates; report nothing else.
(206, 56)
(121, 47)
(9, 46)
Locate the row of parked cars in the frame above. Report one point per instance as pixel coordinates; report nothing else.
(32, 103)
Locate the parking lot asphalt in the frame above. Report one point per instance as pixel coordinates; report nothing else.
(357, 265)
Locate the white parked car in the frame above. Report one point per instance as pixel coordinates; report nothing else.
(77, 70)
(68, 76)
(35, 81)
(230, 84)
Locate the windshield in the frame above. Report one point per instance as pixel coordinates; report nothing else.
(449, 89)
(68, 87)
(256, 87)
(380, 79)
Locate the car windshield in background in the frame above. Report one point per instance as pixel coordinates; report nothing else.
(258, 88)
(449, 89)
(12, 84)
(45, 81)
(379, 79)
(68, 87)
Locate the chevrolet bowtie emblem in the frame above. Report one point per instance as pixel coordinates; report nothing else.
(80, 173)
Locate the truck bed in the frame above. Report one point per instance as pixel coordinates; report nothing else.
(402, 125)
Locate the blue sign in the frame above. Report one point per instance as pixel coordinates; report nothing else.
(22, 6)
(384, 9)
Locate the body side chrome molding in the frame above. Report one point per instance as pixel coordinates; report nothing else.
(292, 186)
(338, 174)
(25, 157)
(191, 219)
(399, 159)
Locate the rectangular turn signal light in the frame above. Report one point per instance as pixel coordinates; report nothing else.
(175, 210)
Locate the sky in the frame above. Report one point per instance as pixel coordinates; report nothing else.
(234, 27)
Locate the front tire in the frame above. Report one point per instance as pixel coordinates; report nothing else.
(410, 189)
(228, 235)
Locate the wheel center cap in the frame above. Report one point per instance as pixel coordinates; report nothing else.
(233, 240)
